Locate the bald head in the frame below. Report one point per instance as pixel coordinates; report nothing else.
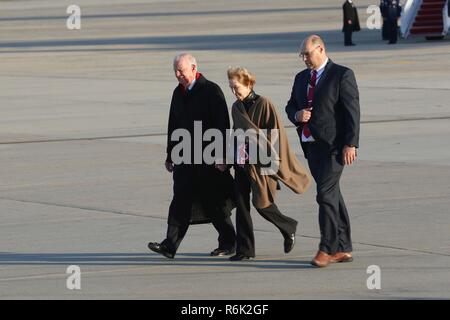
(313, 40)
(313, 52)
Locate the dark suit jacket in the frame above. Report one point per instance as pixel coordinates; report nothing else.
(335, 116)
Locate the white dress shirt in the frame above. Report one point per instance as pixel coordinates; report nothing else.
(191, 85)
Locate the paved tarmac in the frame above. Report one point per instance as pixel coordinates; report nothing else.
(83, 115)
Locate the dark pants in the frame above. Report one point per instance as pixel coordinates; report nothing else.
(245, 239)
(392, 30)
(384, 30)
(348, 37)
(176, 233)
(180, 212)
(326, 168)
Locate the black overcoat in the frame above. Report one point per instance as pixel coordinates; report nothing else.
(350, 13)
(208, 186)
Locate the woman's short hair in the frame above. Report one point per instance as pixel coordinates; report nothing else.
(242, 75)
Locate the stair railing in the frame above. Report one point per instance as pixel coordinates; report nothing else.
(409, 12)
(446, 18)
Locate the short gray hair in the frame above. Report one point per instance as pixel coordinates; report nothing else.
(190, 58)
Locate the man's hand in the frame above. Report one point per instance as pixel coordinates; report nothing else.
(348, 155)
(221, 167)
(169, 166)
(303, 115)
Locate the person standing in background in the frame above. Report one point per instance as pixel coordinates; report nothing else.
(393, 11)
(384, 28)
(351, 22)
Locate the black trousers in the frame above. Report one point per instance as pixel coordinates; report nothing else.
(181, 208)
(392, 30)
(176, 233)
(326, 168)
(348, 37)
(384, 30)
(245, 239)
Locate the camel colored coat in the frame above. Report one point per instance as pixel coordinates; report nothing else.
(288, 170)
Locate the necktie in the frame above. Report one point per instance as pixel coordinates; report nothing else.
(311, 86)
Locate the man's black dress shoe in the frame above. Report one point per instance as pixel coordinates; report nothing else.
(239, 257)
(289, 242)
(161, 249)
(222, 252)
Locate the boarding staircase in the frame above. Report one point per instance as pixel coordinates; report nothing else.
(425, 18)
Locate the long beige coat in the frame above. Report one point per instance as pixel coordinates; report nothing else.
(262, 115)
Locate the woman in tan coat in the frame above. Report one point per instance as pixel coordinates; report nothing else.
(257, 114)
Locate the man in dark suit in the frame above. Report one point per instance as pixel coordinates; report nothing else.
(384, 28)
(324, 105)
(392, 11)
(351, 22)
(201, 193)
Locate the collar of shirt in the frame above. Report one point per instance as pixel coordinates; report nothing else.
(191, 85)
(320, 70)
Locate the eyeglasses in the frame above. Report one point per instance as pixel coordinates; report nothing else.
(308, 53)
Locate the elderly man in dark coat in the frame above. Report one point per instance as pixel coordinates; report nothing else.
(201, 193)
(351, 22)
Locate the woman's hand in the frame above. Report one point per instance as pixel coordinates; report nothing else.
(169, 166)
(221, 167)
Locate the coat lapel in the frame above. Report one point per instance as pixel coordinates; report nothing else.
(304, 91)
(323, 78)
(199, 82)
